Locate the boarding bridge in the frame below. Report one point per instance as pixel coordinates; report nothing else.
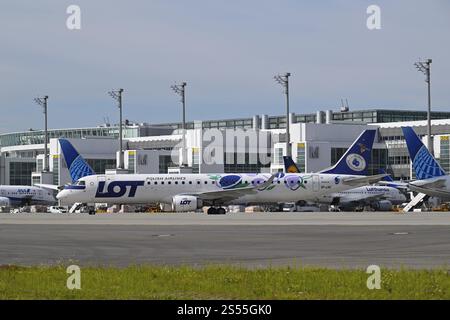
(415, 201)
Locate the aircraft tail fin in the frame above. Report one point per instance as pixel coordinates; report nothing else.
(289, 165)
(387, 178)
(357, 158)
(78, 167)
(424, 164)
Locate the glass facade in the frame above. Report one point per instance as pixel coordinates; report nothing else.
(278, 156)
(20, 173)
(37, 137)
(132, 161)
(101, 165)
(56, 170)
(445, 153)
(164, 163)
(301, 158)
(274, 122)
(195, 160)
(233, 164)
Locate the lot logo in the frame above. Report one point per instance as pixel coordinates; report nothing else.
(356, 162)
(118, 189)
(185, 202)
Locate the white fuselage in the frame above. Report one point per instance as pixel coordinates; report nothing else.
(161, 188)
(366, 193)
(21, 195)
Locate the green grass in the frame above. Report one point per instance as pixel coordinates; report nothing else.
(220, 282)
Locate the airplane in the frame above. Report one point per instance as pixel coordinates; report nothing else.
(377, 197)
(188, 192)
(431, 178)
(11, 196)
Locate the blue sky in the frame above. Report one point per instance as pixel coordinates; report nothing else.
(227, 51)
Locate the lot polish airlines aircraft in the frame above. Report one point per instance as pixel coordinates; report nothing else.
(378, 197)
(188, 192)
(431, 178)
(11, 196)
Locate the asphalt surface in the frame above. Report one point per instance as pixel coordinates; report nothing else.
(314, 239)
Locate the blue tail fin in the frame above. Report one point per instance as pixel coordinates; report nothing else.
(423, 162)
(357, 158)
(289, 165)
(77, 166)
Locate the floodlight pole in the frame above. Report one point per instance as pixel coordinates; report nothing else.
(284, 81)
(43, 102)
(425, 68)
(117, 95)
(181, 91)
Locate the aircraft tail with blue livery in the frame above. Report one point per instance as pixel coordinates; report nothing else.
(357, 158)
(78, 167)
(424, 164)
(431, 178)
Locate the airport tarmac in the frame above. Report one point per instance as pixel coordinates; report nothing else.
(257, 218)
(416, 240)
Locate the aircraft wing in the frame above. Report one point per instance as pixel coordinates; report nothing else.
(371, 198)
(232, 194)
(48, 186)
(226, 195)
(356, 181)
(397, 185)
(434, 189)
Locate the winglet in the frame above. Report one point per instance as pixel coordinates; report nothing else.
(77, 166)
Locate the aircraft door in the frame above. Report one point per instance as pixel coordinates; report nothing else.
(316, 182)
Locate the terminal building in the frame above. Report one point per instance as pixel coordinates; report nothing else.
(254, 144)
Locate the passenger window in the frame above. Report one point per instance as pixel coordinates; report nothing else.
(156, 182)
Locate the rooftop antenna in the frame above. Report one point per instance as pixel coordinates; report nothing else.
(344, 108)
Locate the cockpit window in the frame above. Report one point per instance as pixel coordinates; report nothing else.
(80, 183)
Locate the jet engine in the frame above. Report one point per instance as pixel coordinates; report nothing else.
(186, 203)
(5, 202)
(382, 205)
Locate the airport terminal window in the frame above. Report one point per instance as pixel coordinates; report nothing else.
(101, 165)
(336, 154)
(445, 153)
(20, 172)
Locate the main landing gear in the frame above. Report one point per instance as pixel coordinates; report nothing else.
(213, 210)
